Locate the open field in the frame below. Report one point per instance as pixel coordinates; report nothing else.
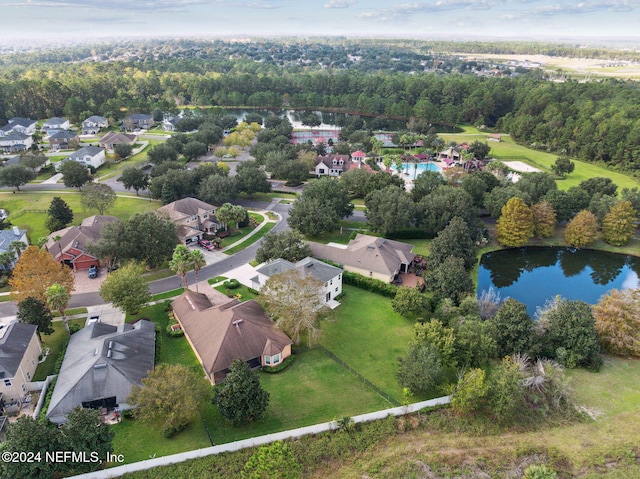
(29, 209)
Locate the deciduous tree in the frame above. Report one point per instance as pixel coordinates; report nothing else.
(84, 432)
(454, 240)
(241, 398)
(563, 166)
(286, 244)
(544, 219)
(35, 271)
(123, 150)
(495, 200)
(217, 189)
(16, 176)
(34, 311)
(99, 197)
(411, 303)
(421, 368)
(617, 317)
(171, 393)
(32, 160)
(251, 179)
(536, 185)
(474, 345)
(275, 460)
(582, 230)
(515, 226)
(449, 280)
(619, 225)
(126, 289)
(604, 186)
(135, 178)
(512, 328)
(74, 174)
(469, 391)
(389, 210)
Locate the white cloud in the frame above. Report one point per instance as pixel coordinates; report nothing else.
(339, 3)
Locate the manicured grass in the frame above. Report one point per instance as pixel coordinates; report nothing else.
(507, 150)
(159, 274)
(238, 234)
(217, 279)
(252, 239)
(29, 209)
(167, 294)
(70, 312)
(269, 196)
(420, 246)
(54, 342)
(5, 298)
(242, 290)
(369, 336)
(337, 236)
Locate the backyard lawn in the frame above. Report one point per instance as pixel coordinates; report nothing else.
(369, 336)
(29, 209)
(54, 342)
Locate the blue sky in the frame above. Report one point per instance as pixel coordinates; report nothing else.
(421, 19)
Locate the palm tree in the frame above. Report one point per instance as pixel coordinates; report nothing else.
(197, 261)
(180, 263)
(58, 298)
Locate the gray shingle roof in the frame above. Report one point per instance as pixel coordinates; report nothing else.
(63, 135)
(7, 237)
(13, 345)
(86, 150)
(307, 266)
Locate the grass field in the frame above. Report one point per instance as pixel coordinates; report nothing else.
(242, 290)
(251, 239)
(54, 343)
(369, 336)
(507, 150)
(29, 209)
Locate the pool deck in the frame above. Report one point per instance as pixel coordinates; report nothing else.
(408, 178)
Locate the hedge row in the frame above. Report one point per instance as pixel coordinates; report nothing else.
(364, 282)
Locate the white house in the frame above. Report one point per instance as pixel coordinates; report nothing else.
(55, 124)
(19, 125)
(330, 276)
(169, 124)
(15, 142)
(19, 352)
(88, 156)
(94, 124)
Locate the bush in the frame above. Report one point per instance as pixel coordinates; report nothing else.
(128, 414)
(174, 332)
(231, 284)
(369, 284)
(254, 291)
(171, 431)
(409, 233)
(340, 296)
(74, 328)
(283, 365)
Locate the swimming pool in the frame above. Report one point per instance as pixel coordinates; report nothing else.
(411, 169)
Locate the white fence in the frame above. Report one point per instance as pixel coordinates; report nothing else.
(257, 441)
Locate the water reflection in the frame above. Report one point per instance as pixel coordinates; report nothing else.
(533, 275)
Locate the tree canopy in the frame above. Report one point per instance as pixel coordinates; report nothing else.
(99, 197)
(35, 311)
(126, 289)
(16, 176)
(515, 227)
(287, 244)
(74, 174)
(35, 272)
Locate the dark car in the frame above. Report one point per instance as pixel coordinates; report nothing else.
(206, 244)
(93, 271)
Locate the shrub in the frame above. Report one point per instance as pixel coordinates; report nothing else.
(369, 284)
(283, 365)
(253, 291)
(231, 284)
(174, 332)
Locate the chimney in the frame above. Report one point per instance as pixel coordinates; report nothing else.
(16, 231)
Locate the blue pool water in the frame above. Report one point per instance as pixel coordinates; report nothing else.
(411, 169)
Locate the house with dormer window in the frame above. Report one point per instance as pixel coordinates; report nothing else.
(192, 217)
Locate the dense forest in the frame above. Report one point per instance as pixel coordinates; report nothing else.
(596, 121)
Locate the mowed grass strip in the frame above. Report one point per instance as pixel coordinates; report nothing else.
(54, 342)
(370, 336)
(28, 209)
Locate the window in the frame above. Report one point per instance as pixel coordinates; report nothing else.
(336, 289)
(194, 217)
(28, 375)
(331, 282)
(326, 285)
(24, 389)
(339, 276)
(7, 382)
(276, 359)
(205, 215)
(267, 359)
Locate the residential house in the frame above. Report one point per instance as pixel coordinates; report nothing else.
(88, 156)
(55, 124)
(94, 124)
(17, 124)
(221, 334)
(169, 124)
(330, 276)
(63, 140)
(112, 139)
(331, 165)
(138, 121)
(192, 218)
(101, 365)
(6, 238)
(19, 353)
(370, 256)
(15, 142)
(359, 156)
(69, 245)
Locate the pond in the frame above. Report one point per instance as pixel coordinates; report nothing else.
(534, 275)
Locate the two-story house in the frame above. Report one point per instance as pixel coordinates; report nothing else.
(192, 218)
(331, 165)
(87, 156)
(19, 125)
(55, 124)
(94, 124)
(138, 121)
(19, 353)
(63, 140)
(6, 238)
(15, 142)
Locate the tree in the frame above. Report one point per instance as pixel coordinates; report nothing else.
(75, 175)
(439, 336)
(229, 213)
(162, 153)
(275, 460)
(99, 197)
(454, 240)
(197, 262)
(149, 238)
(619, 225)
(33, 161)
(512, 329)
(217, 189)
(180, 263)
(479, 150)
(436, 210)
(26, 435)
(582, 230)
(544, 219)
(126, 289)
(633, 196)
(563, 166)
(171, 392)
(16, 176)
(135, 178)
(58, 298)
(449, 280)
(505, 395)
(33, 311)
(295, 302)
(411, 303)
(85, 433)
(194, 150)
(617, 317)
(515, 226)
(421, 368)
(251, 179)
(425, 184)
(287, 245)
(35, 271)
(470, 389)
(474, 345)
(389, 210)
(60, 211)
(355, 181)
(123, 150)
(240, 398)
(604, 186)
(495, 200)
(568, 333)
(601, 204)
(322, 205)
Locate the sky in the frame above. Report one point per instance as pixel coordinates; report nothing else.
(431, 19)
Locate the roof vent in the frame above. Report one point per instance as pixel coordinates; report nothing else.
(109, 353)
(99, 366)
(16, 231)
(237, 322)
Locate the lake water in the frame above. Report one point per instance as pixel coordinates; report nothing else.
(534, 275)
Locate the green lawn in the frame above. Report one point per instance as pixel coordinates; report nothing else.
(267, 197)
(29, 209)
(507, 150)
(217, 279)
(242, 290)
(369, 336)
(54, 343)
(252, 239)
(420, 246)
(238, 234)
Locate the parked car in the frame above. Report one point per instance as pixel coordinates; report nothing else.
(93, 271)
(206, 244)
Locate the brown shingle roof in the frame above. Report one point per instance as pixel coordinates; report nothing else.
(78, 237)
(185, 208)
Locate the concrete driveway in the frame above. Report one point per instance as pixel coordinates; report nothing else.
(84, 284)
(107, 313)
